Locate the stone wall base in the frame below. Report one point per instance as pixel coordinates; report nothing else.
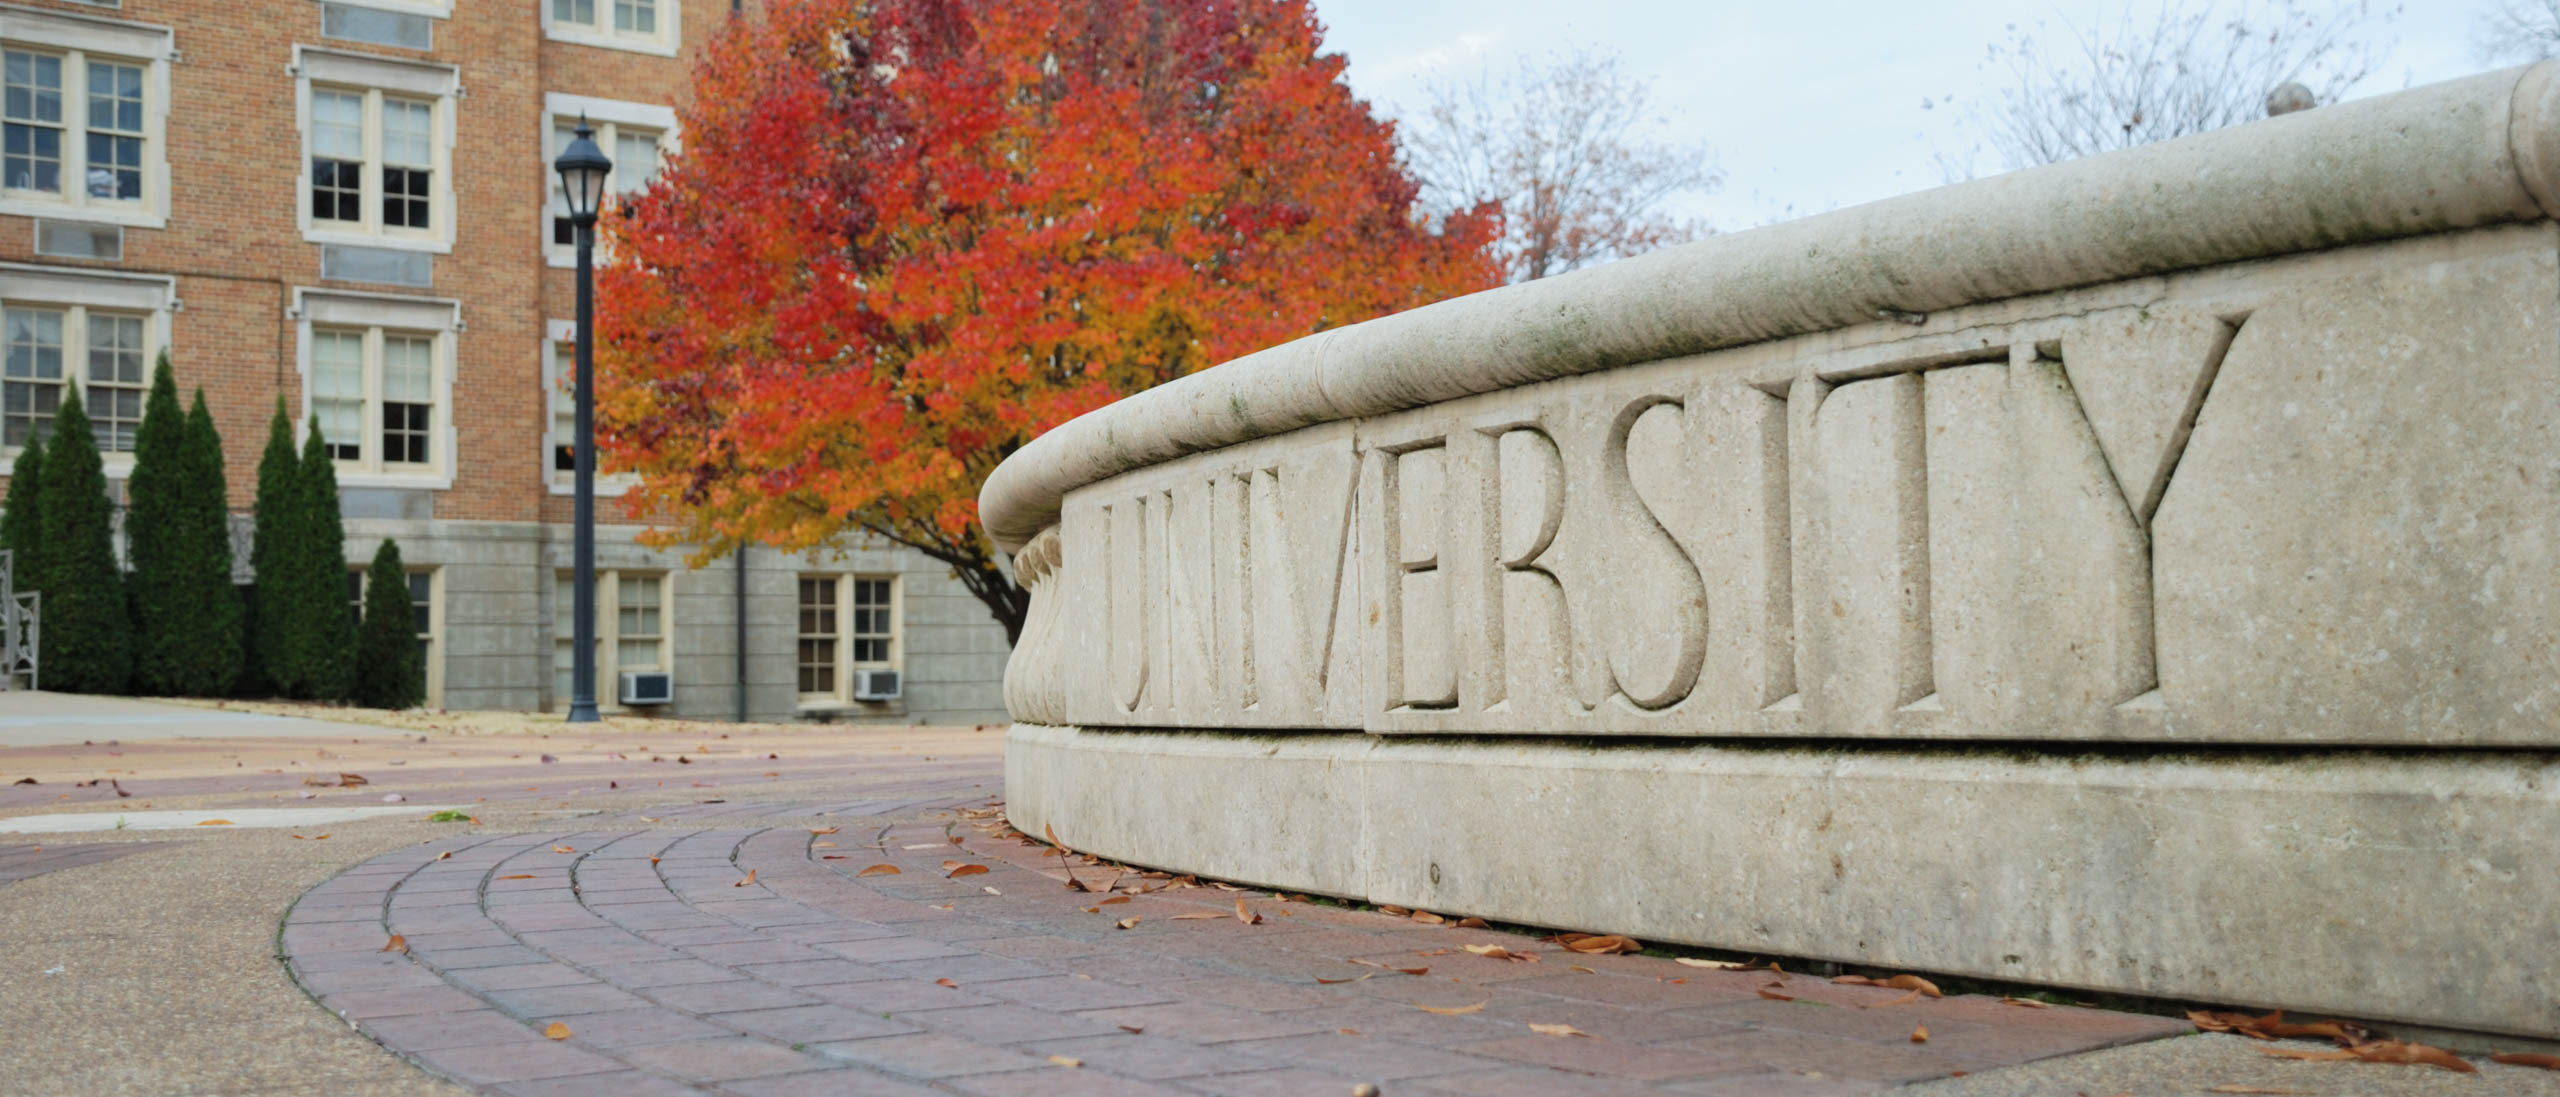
(2412, 886)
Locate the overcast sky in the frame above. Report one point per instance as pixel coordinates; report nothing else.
(1809, 104)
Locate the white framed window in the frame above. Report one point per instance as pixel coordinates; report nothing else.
(560, 434)
(635, 630)
(637, 137)
(846, 623)
(377, 134)
(91, 332)
(84, 112)
(377, 373)
(426, 607)
(644, 26)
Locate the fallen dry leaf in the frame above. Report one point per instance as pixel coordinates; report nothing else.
(821, 831)
(2024, 1003)
(397, 943)
(564, 849)
(1197, 914)
(2382, 1051)
(1394, 910)
(1427, 918)
(559, 1030)
(1452, 1011)
(215, 823)
(1348, 1031)
(1497, 952)
(1580, 968)
(1468, 922)
(751, 878)
(351, 780)
(1912, 982)
(946, 983)
(1557, 1030)
(1411, 970)
(653, 860)
(312, 837)
(448, 855)
(518, 876)
(822, 845)
(879, 870)
(1920, 1035)
(2527, 1059)
(1138, 1029)
(1776, 996)
(1713, 965)
(1124, 898)
(1246, 916)
(967, 870)
(1354, 979)
(1600, 944)
(1126, 923)
(1063, 1061)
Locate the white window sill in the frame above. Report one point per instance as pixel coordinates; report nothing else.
(429, 481)
(363, 240)
(834, 706)
(99, 215)
(607, 40)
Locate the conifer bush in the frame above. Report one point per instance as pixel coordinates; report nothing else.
(155, 529)
(388, 671)
(85, 626)
(216, 627)
(21, 515)
(326, 628)
(272, 664)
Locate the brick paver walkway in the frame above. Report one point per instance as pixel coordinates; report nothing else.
(728, 948)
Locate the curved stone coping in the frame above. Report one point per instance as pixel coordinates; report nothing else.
(2476, 151)
(2249, 878)
(676, 975)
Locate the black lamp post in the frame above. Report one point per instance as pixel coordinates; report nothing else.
(583, 168)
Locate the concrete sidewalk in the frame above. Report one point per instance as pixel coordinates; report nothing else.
(33, 718)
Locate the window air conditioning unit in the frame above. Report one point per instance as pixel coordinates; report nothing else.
(648, 687)
(875, 685)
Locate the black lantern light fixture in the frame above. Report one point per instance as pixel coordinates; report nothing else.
(583, 169)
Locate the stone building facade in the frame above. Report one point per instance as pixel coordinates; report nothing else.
(348, 205)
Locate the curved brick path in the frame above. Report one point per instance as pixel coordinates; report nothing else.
(677, 976)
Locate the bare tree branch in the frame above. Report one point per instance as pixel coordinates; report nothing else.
(2135, 78)
(2519, 31)
(1561, 147)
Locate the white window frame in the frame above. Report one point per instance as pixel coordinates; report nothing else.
(432, 641)
(609, 630)
(374, 78)
(439, 319)
(558, 399)
(437, 9)
(76, 291)
(609, 117)
(841, 693)
(76, 38)
(665, 43)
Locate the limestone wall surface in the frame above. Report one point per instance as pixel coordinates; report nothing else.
(2245, 441)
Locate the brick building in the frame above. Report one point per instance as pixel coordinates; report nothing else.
(348, 204)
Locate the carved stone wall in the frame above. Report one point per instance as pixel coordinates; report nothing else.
(2216, 483)
(2294, 509)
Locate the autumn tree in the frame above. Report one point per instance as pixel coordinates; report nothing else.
(2135, 76)
(1561, 146)
(906, 236)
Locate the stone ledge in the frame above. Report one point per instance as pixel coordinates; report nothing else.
(2401, 885)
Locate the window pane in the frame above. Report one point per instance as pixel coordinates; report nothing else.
(33, 135)
(408, 369)
(636, 16)
(635, 161)
(421, 600)
(115, 380)
(337, 390)
(405, 432)
(872, 628)
(337, 125)
(34, 87)
(115, 166)
(337, 190)
(408, 131)
(574, 11)
(115, 97)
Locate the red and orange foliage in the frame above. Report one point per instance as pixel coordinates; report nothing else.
(905, 237)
